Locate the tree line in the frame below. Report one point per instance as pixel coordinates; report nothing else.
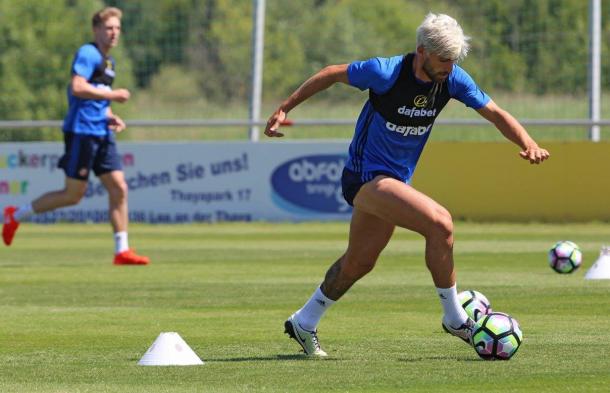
(532, 46)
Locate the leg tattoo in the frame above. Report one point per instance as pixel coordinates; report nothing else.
(336, 283)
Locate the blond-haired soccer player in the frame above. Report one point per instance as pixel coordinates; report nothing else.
(406, 94)
(89, 139)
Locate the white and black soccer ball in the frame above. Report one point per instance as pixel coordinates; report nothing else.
(475, 304)
(497, 336)
(565, 257)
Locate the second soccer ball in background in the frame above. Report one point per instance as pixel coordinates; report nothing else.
(565, 257)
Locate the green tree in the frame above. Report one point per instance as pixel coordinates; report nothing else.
(328, 32)
(538, 46)
(156, 32)
(38, 41)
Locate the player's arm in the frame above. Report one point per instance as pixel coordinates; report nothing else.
(115, 123)
(514, 131)
(81, 88)
(322, 80)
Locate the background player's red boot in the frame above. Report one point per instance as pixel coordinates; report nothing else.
(129, 257)
(10, 225)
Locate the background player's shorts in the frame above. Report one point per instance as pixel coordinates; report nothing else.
(84, 153)
(351, 182)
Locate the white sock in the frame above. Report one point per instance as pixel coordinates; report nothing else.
(310, 314)
(120, 242)
(23, 212)
(454, 313)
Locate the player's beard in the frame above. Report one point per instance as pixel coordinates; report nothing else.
(437, 77)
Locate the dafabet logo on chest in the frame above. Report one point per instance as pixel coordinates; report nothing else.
(420, 101)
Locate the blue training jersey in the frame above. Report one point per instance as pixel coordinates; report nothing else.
(380, 146)
(86, 116)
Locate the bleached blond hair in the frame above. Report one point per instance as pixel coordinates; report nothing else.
(442, 35)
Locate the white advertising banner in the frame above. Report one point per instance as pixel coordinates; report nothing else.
(173, 182)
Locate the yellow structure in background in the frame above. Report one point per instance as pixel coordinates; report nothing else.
(489, 181)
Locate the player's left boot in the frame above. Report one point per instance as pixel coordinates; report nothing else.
(308, 340)
(129, 257)
(10, 225)
(463, 331)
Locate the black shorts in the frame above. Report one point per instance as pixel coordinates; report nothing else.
(84, 153)
(352, 181)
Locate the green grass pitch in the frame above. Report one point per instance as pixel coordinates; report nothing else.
(72, 322)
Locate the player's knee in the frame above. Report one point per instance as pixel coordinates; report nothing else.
(442, 224)
(119, 191)
(123, 189)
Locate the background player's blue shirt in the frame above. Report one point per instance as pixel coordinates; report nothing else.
(87, 116)
(388, 151)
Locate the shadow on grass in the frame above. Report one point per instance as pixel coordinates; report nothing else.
(439, 357)
(269, 358)
(308, 358)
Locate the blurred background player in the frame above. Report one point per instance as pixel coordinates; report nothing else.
(89, 138)
(406, 94)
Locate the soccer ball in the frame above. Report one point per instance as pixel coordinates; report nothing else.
(475, 304)
(497, 336)
(565, 257)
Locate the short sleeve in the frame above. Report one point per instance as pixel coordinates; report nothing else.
(378, 74)
(463, 88)
(86, 60)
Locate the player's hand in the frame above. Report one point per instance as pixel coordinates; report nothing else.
(120, 95)
(534, 154)
(116, 124)
(273, 124)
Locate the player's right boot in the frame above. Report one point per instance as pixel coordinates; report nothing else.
(464, 331)
(10, 225)
(308, 340)
(129, 257)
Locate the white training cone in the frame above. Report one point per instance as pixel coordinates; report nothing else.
(169, 349)
(601, 268)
